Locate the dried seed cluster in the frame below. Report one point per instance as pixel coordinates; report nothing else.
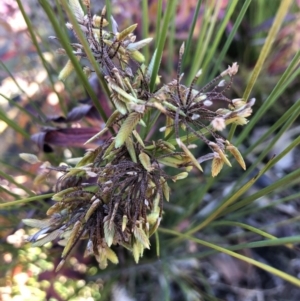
(115, 193)
(121, 205)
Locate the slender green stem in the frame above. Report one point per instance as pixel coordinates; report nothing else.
(158, 21)
(200, 195)
(248, 245)
(202, 50)
(42, 115)
(26, 200)
(13, 125)
(171, 45)
(66, 45)
(171, 5)
(205, 21)
(157, 244)
(44, 62)
(61, 16)
(230, 38)
(90, 56)
(186, 54)
(10, 179)
(26, 112)
(271, 144)
(243, 226)
(108, 13)
(279, 88)
(2, 189)
(283, 182)
(217, 38)
(279, 18)
(247, 210)
(145, 27)
(229, 201)
(286, 116)
(256, 263)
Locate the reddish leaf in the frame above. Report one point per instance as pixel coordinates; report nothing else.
(76, 114)
(64, 137)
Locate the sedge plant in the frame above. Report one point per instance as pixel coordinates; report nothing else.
(169, 143)
(114, 195)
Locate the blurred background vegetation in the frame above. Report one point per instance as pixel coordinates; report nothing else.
(233, 237)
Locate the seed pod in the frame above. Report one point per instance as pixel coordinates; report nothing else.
(109, 149)
(109, 232)
(217, 165)
(137, 56)
(113, 117)
(92, 209)
(97, 21)
(169, 145)
(123, 34)
(191, 156)
(165, 188)
(98, 135)
(51, 236)
(57, 207)
(138, 45)
(136, 251)
(154, 227)
(60, 265)
(146, 162)
(152, 218)
(131, 150)
(124, 222)
(72, 239)
(120, 104)
(180, 176)
(30, 158)
(175, 161)
(237, 155)
(111, 255)
(141, 237)
(102, 257)
(59, 196)
(36, 223)
(220, 153)
(138, 138)
(77, 10)
(127, 127)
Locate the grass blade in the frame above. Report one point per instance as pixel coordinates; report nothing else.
(185, 57)
(232, 198)
(279, 88)
(229, 40)
(170, 10)
(281, 13)
(44, 62)
(158, 21)
(26, 200)
(145, 27)
(202, 48)
(10, 179)
(66, 45)
(256, 263)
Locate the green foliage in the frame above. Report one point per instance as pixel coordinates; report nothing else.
(116, 195)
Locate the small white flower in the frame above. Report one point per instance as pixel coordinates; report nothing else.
(218, 124)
